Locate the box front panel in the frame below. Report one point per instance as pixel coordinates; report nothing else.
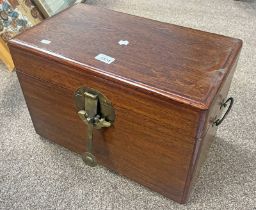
(151, 141)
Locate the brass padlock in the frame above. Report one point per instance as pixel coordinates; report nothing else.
(97, 112)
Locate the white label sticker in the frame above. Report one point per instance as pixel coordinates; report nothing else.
(45, 41)
(105, 58)
(123, 42)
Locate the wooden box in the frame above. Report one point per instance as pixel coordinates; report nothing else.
(167, 86)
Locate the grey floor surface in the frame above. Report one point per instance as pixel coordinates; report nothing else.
(36, 174)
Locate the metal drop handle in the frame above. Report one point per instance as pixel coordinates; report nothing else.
(231, 102)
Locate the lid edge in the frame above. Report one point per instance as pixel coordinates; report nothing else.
(201, 105)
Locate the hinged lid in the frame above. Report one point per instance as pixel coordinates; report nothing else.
(166, 60)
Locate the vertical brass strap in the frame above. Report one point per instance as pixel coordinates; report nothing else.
(90, 104)
(89, 137)
(96, 112)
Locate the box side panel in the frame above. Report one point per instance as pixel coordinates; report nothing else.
(151, 141)
(207, 131)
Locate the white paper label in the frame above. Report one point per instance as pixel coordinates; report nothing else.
(45, 41)
(105, 58)
(123, 42)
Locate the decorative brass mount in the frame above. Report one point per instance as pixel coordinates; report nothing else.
(96, 111)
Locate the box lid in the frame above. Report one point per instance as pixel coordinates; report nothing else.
(166, 60)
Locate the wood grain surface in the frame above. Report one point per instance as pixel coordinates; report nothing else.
(183, 64)
(165, 99)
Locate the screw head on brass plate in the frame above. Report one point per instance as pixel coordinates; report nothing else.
(89, 159)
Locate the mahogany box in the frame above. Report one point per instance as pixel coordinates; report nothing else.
(140, 97)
